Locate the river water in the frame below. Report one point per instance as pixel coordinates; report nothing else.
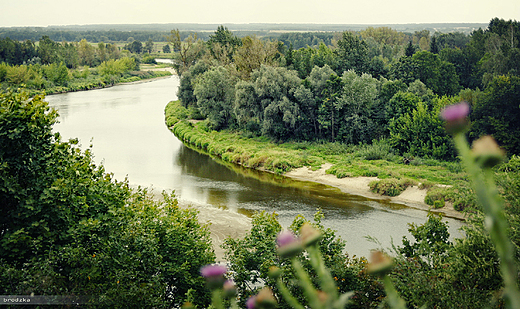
(125, 125)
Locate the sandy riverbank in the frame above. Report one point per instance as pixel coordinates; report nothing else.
(411, 197)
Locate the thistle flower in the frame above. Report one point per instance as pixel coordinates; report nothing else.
(309, 234)
(251, 302)
(487, 152)
(380, 263)
(214, 275)
(288, 244)
(265, 299)
(456, 117)
(229, 289)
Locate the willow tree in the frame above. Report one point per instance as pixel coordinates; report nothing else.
(186, 51)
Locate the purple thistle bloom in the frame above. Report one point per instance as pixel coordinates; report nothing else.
(251, 302)
(455, 112)
(288, 244)
(211, 271)
(286, 238)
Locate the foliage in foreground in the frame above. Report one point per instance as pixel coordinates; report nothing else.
(477, 271)
(427, 270)
(69, 228)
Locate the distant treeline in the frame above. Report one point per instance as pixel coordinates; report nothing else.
(158, 33)
(90, 36)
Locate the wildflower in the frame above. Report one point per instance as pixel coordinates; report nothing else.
(456, 117)
(229, 289)
(265, 299)
(251, 302)
(380, 263)
(214, 275)
(210, 271)
(487, 152)
(288, 244)
(309, 234)
(275, 272)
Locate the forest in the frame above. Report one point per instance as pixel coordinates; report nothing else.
(365, 86)
(69, 228)
(59, 67)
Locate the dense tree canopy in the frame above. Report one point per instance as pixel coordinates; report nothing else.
(66, 220)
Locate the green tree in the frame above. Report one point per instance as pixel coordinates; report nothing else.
(187, 51)
(135, 47)
(421, 132)
(317, 83)
(215, 93)
(434, 45)
(358, 96)
(254, 53)
(438, 75)
(275, 88)
(166, 49)
(497, 111)
(57, 73)
(223, 38)
(352, 54)
(69, 228)
(148, 46)
(86, 53)
(48, 50)
(248, 109)
(185, 91)
(410, 49)
(329, 107)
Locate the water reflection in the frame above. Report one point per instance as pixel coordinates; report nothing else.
(246, 191)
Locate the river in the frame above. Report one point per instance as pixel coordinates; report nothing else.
(126, 126)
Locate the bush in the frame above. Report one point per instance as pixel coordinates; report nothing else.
(251, 258)
(148, 59)
(390, 186)
(438, 194)
(378, 150)
(69, 228)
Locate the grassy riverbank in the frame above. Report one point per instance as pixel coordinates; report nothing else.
(445, 184)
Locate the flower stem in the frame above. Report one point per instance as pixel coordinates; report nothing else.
(495, 220)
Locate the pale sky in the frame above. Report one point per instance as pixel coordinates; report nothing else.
(74, 12)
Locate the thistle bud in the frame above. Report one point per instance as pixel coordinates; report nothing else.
(229, 289)
(309, 234)
(456, 117)
(275, 272)
(487, 152)
(288, 244)
(251, 302)
(265, 299)
(188, 305)
(380, 264)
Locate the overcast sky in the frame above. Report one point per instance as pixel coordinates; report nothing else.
(72, 12)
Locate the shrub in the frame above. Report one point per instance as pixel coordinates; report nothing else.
(69, 228)
(390, 186)
(438, 194)
(250, 269)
